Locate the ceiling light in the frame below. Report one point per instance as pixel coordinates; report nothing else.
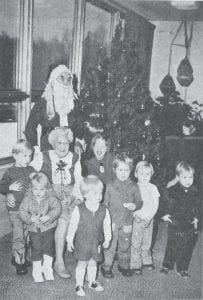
(185, 5)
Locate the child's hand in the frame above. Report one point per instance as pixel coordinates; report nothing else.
(44, 219)
(105, 244)
(172, 182)
(137, 219)
(167, 218)
(16, 186)
(70, 246)
(129, 206)
(195, 221)
(146, 223)
(35, 219)
(10, 200)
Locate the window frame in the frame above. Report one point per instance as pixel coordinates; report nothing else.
(23, 93)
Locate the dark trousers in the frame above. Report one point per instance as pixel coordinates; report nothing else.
(42, 243)
(179, 248)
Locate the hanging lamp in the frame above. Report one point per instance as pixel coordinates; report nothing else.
(185, 70)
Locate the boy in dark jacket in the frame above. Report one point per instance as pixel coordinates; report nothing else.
(182, 206)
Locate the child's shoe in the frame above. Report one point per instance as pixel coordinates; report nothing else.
(27, 263)
(149, 267)
(47, 267)
(21, 269)
(80, 291)
(183, 274)
(136, 271)
(125, 272)
(164, 270)
(96, 286)
(106, 274)
(37, 271)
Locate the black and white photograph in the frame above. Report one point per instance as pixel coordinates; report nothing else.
(101, 149)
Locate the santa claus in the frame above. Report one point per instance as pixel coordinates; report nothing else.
(56, 108)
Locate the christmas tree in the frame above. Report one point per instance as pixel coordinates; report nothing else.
(130, 109)
(94, 85)
(115, 100)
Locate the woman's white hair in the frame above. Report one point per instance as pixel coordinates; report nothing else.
(58, 132)
(48, 91)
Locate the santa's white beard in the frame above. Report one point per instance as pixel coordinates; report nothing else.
(63, 99)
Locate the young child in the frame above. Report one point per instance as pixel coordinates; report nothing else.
(101, 164)
(182, 209)
(122, 199)
(143, 219)
(40, 210)
(88, 232)
(14, 184)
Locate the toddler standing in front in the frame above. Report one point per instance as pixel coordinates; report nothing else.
(89, 230)
(40, 210)
(143, 219)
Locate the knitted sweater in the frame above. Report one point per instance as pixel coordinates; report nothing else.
(119, 192)
(11, 175)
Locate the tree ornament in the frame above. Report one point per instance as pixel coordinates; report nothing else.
(101, 168)
(147, 122)
(142, 107)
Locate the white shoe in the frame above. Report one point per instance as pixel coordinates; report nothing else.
(47, 267)
(80, 291)
(37, 271)
(96, 286)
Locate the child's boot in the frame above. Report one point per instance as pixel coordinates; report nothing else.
(47, 267)
(37, 271)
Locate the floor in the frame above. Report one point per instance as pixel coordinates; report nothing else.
(151, 285)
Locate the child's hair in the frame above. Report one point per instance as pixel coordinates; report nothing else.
(20, 146)
(90, 182)
(144, 164)
(40, 178)
(184, 166)
(98, 136)
(122, 157)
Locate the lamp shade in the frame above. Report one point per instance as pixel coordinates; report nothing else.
(185, 73)
(167, 85)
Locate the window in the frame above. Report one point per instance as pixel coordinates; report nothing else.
(36, 34)
(9, 17)
(96, 44)
(52, 37)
